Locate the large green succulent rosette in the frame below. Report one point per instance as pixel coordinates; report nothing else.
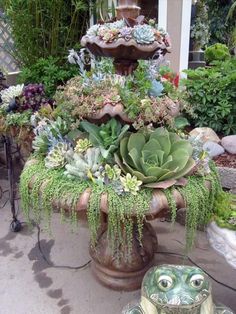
(158, 158)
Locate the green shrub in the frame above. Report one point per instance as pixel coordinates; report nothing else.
(220, 28)
(41, 28)
(217, 52)
(49, 72)
(211, 93)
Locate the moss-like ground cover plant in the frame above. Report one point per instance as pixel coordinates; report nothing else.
(225, 211)
(67, 163)
(48, 185)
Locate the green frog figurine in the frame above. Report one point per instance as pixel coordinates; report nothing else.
(173, 289)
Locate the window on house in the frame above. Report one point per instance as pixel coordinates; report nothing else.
(149, 8)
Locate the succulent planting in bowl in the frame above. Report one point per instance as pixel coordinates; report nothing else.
(139, 99)
(128, 40)
(155, 157)
(140, 33)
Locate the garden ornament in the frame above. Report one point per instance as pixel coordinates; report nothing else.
(174, 289)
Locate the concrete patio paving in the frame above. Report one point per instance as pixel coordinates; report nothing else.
(29, 286)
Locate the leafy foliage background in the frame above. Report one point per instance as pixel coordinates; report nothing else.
(41, 28)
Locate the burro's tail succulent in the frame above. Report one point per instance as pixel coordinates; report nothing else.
(84, 166)
(155, 157)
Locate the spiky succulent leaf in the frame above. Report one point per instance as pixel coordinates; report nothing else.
(93, 131)
(155, 158)
(49, 133)
(59, 126)
(107, 136)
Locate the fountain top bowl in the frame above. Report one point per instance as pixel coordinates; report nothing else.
(128, 2)
(130, 38)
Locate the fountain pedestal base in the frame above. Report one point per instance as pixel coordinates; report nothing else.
(119, 270)
(125, 67)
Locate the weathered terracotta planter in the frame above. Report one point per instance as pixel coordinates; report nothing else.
(117, 110)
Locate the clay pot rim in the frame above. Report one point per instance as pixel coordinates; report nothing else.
(157, 209)
(122, 42)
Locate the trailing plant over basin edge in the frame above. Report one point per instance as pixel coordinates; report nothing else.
(48, 185)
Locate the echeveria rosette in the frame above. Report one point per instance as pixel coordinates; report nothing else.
(126, 33)
(144, 34)
(56, 158)
(131, 184)
(93, 30)
(157, 159)
(112, 173)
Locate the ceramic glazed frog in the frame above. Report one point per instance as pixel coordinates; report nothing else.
(172, 289)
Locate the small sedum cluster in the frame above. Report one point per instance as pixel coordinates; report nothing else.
(82, 145)
(131, 184)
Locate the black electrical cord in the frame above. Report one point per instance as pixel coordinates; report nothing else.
(80, 267)
(195, 264)
(14, 221)
(159, 252)
(87, 263)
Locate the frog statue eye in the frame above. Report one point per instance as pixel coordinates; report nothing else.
(165, 282)
(196, 281)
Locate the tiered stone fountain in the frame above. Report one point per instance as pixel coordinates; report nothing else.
(115, 270)
(124, 269)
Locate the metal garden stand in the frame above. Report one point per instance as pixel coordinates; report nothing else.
(9, 153)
